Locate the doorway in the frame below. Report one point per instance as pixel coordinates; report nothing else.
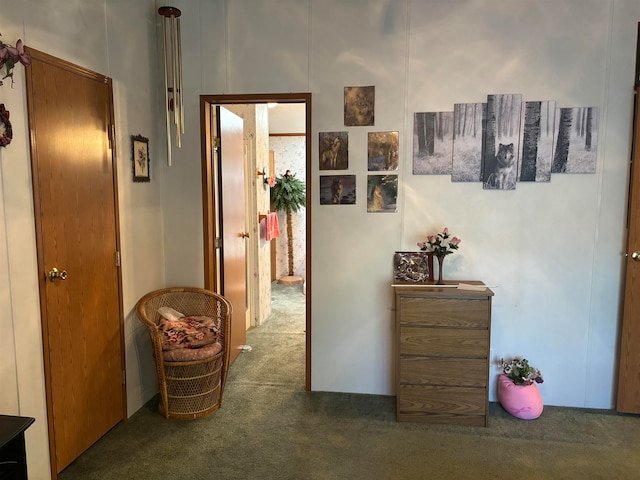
(211, 202)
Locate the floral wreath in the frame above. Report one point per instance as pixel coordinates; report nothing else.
(6, 132)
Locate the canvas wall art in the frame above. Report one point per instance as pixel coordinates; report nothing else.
(382, 151)
(382, 193)
(334, 150)
(576, 140)
(468, 120)
(538, 128)
(359, 106)
(337, 189)
(432, 143)
(505, 141)
(501, 142)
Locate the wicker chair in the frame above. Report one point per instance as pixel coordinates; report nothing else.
(190, 389)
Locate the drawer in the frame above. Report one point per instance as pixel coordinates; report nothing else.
(444, 341)
(460, 372)
(452, 312)
(458, 405)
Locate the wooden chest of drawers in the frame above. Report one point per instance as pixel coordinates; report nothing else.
(442, 354)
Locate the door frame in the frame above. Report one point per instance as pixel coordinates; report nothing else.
(209, 180)
(39, 237)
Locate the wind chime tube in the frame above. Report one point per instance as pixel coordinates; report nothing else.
(172, 72)
(166, 89)
(180, 77)
(174, 80)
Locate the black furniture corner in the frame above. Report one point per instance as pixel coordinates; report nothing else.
(13, 457)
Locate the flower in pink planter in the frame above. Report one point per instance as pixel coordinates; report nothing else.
(520, 372)
(517, 388)
(521, 401)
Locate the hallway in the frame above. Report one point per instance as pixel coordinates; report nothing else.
(277, 352)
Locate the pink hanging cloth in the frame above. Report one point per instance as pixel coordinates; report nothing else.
(273, 229)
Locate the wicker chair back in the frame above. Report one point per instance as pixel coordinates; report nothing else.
(193, 389)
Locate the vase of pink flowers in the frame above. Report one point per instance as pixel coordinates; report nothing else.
(440, 245)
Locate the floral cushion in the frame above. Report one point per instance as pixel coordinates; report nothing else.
(191, 354)
(188, 332)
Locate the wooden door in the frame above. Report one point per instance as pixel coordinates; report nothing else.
(233, 225)
(629, 366)
(74, 181)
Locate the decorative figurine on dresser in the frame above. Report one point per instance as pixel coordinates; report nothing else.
(442, 347)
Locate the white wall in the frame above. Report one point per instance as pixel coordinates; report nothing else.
(288, 118)
(552, 251)
(116, 38)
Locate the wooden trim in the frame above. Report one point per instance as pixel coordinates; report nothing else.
(287, 134)
(64, 64)
(230, 99)
(273, 242)
(309, 276)
(208, 203)
(35, 55)
(116, 207)
(637, 79)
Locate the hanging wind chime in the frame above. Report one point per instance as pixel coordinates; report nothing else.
(172, 49)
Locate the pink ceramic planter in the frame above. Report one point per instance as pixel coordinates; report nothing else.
(521, 401)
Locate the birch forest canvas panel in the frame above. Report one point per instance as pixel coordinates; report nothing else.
(576, 140)
(432, 143)
(337, 189)
(502, 142)
(468, 133)
(538, 129)
(382, 151)
(382, 193)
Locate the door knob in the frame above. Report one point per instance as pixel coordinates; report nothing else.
(55, 274)
(244, 235)
(636, 255)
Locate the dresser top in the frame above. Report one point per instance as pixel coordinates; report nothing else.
(450, 289)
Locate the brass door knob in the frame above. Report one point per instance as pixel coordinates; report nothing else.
(636, 255)
(244, 235)
(54, 274)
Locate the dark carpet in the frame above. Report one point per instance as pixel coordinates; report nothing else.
(270, 428)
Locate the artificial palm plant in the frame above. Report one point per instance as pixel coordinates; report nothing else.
(288, 194)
